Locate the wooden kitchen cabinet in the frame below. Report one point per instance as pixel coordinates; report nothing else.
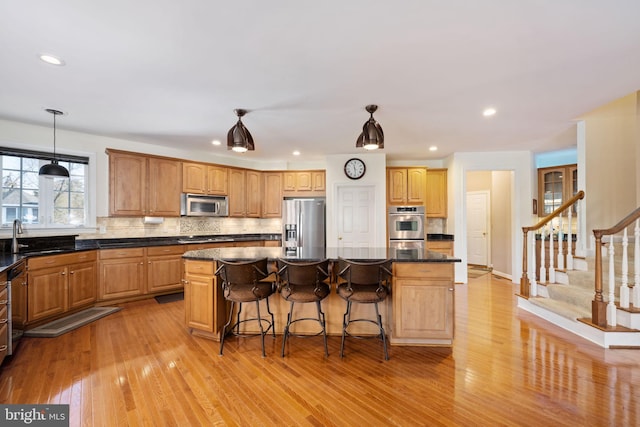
(556, 185)
(57, 284)
(205, 306)
(142, 185)
(406, 186)
(423, 304)
(436, 193)
(442, 246)
(122, 273)
(272, 195)
(5, 339)
(201, 178)
(245, 193)
(304, 183)
(164, 268)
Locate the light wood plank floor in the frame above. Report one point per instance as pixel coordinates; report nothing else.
(140, 367)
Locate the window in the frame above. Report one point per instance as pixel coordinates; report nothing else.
(39, 201)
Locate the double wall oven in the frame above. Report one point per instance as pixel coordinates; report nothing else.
(406, 231)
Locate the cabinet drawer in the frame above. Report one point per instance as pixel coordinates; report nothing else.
(4, 297)
(3, 315)
(165, 250)
(199, 267)
(58, 260)
(424, 270)
(4, 340)
(121, 253)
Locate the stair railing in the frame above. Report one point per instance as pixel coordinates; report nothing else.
(528, 284)
(603, 313)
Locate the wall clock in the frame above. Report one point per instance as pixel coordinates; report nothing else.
(354, 168)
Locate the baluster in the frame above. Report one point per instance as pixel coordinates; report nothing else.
(635, 291)
(570, 237)
(552, 255)
(560, 244)
(543, 268)
(624, 286)
(611, 306)
(533, 285)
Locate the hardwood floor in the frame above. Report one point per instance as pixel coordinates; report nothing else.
(507, 367)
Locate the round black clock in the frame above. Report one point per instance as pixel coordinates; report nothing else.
(354, 168)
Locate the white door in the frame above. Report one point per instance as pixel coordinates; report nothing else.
(478, 237)
(355, 216)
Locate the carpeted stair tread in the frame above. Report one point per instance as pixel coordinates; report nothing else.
(574, 295)
(561, 308)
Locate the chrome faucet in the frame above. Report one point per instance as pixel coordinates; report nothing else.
(17, 229)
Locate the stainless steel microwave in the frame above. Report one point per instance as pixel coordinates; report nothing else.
(203, 205)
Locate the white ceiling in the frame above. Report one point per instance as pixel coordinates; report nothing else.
(172, 72)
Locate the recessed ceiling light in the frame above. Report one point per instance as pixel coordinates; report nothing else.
(296, 153)
(488, 112)
(433, 148)
(216, 142)
(50, 59)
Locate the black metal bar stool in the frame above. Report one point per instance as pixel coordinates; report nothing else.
(243, 282)
(364, 283)
(304, 282)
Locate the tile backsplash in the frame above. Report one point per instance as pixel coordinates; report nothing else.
(183, 226)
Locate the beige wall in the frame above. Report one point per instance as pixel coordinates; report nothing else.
(501, 229)
(611, 160)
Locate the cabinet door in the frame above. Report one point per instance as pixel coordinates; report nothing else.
(288, 181)
(164, 273)
(127, 185)
(397, 186)
(303, 181)
(82, 284)
(121, 277)
(194, 178)
(436, 193)
(272, 195)
(253, 194)
(318, 179)
(199, 304)
(165, 186)
(237, 196)
(217, 180)
(416, 185)
(47, 289)
(423, 309)
(19, 301)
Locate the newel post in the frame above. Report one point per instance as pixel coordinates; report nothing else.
(598, 306)
(524, 280)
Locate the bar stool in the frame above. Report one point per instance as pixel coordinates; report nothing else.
(304, 282)
(243, 282)
(364, 283)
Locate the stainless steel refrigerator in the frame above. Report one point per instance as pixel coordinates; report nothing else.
(303, 223)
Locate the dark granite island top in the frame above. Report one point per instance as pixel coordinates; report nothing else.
(314, 254)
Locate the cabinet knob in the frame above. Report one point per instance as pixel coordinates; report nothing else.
(148, 262)
(63, 273)
(71, 272)
(3, 347)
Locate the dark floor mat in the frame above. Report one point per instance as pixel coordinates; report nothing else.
(163, 299)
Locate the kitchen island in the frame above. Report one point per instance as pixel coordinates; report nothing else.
(420, 310)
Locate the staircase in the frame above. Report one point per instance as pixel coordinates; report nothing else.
(568, 302)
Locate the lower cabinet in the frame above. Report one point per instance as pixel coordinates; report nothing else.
(4, 317)
(164, 268)
(122, 273)
(423, 304)
(442, 246)
(205, 307)
(60, 283)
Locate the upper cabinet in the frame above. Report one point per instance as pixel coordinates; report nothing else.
(303, 183)
(556, 185)
(245, 193)
(199, 178)
(406, 186)
(436, 193)
(142, 185)
(272, 194)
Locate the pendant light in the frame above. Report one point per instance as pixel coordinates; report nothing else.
(239, 139)
(372, 136)
(53, 169)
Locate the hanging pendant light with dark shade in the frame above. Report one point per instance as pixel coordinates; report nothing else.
(372, 136)
(239, 139)
(53, 169)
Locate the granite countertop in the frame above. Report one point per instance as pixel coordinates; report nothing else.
(313, 254)
(41, 246)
